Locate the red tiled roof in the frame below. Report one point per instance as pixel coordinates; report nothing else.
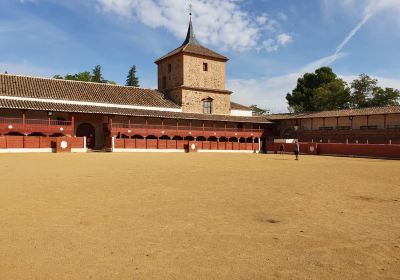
(22, 86)
(196, 50)
(338, 113)
(237, 106)
(59, 107)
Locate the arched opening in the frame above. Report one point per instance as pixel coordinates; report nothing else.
(201, 138)
(212, 139)
(123, 136)
(36, 134)
(87, 130)
(242, 140)
(165, 137)
(223, 139)
(249, 140)
(190, 138)
(137, 137)
(14, 134)
(233, 139)
(151, 137)
(57, 135)
(177, 138)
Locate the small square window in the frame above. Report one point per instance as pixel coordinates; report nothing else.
(205, 66)
(169, 68)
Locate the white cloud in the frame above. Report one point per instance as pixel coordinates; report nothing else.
(273, 44)
(222, 23)
(284, 39)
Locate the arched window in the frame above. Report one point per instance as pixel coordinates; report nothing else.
(207, 106)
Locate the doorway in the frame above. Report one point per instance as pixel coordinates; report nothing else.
(87, 130)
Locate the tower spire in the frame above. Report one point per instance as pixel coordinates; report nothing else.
(190, 37)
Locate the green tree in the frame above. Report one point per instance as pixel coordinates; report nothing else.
(330, 90)
(367, 93)
(131, 79)
(97, 76)
(363, 89)
(258, 111)
(83, 76)
(331, 96)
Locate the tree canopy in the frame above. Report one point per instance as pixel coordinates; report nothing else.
(131, 79)
(323, 90)
(258, 111)
(96, 76)
(367, 93)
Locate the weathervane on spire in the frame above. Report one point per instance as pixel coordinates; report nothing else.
(190, 10)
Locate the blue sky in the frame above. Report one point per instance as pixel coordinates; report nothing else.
(270, 43)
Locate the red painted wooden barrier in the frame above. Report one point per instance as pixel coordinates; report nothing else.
(364, 150)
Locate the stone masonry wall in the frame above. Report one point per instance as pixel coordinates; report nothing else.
(195, 76)
(192, 102)
(173, 78)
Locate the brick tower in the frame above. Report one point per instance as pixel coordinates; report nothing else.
(194, 77)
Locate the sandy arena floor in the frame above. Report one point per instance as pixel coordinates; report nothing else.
(198, 216)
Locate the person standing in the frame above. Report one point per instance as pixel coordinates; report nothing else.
(296, 149)
(281, 149)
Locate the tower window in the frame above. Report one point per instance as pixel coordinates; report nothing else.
(164, 82)
(169, 68)
(205, 66)
(207, 106)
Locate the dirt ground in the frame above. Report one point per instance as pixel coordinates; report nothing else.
(198, 216)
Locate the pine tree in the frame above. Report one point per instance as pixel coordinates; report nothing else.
(97, 77)
(131, 79)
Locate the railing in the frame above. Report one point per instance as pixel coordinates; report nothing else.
(35, 122)
(27, 126)
(363, 127)
(178, 127)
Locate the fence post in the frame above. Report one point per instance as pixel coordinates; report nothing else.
(84, 142)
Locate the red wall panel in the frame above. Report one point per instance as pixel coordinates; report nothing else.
(3, 142)
(15, 142)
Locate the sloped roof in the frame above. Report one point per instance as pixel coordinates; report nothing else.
(44, 88)
(237, 106)
(339, 113)
(192, 46)
(59, 107)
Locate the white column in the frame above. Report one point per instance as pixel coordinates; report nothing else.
(84, 142)
(112, 144)
(259, 144)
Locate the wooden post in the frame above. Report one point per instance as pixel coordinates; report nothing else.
(384, 121)
(73, 125)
